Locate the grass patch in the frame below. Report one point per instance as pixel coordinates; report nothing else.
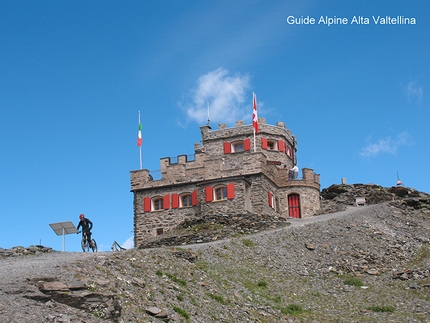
(262, 283)
(218, 298)
(181, 312)
(353, 281)
(292, 309)
(422, 255)
(248, 243)
(382, 309)
(181, 282)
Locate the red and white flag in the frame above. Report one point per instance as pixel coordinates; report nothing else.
(254, 113)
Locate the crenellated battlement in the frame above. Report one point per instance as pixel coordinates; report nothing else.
(238, 170)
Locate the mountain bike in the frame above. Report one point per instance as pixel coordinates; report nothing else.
(87, 245)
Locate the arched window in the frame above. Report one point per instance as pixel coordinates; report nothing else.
(220, 193)
(157, 203)
(186, 200)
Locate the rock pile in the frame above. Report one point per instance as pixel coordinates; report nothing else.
(337, 197)
(214, 227)
(21, 251)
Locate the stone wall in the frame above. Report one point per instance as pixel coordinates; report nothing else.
(309, 200)
(147, 223)
(213, 140)
(256, 175)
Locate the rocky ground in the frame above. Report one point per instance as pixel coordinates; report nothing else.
(362, 264)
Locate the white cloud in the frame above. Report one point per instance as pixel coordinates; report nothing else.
(129, 243)
(225, 95)
(387, 145)
(413, 91)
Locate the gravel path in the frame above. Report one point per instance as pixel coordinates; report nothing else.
(293, 224)
(13, 269)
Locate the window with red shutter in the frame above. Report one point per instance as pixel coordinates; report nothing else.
(220, 193)
(289, 151)
(264, 143)
(281, 145)
(270, 199)
(146, 204)
(166, 201)
(227, 147)
(209, 193)
(230, 191)
(175, 201)
(247, 144)
(194, 198)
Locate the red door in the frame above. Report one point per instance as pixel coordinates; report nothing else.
(294, 205)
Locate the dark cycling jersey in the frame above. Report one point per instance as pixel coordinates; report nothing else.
(86, 225)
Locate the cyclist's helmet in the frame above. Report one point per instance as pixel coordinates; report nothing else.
(81, 216)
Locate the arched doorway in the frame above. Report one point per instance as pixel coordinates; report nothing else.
(294, 206)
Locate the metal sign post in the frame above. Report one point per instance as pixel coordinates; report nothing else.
(63, 228)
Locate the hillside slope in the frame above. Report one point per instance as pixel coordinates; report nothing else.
(366, 264)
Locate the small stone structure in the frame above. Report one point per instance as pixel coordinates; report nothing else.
(232, 172)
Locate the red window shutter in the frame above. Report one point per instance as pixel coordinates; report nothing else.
(247, 144)
(269, 195)
(209, 193)
(146, 204)
(166, 202)
(175, 201)
(281, 145)
(227, 147)
(264, 143)
(230, 191)
(194, 198)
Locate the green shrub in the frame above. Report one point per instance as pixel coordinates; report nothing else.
(262, 283)
(385, 309)
(218, 298)
(177, 280)
(181, 312)
(353, 281)
(292, 309)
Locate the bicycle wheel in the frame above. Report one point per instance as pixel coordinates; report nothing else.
(93, 245)
(84, 245)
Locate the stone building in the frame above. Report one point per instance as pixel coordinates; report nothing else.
(231, 173)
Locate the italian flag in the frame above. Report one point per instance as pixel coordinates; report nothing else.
(139, 135)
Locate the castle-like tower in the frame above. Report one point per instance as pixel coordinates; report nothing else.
(232, 173)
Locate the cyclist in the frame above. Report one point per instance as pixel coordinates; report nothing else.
(86, 225)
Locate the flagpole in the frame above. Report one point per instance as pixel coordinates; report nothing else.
(140, 149)
(253, 98)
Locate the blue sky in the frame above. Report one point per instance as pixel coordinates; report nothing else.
(74, 74)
